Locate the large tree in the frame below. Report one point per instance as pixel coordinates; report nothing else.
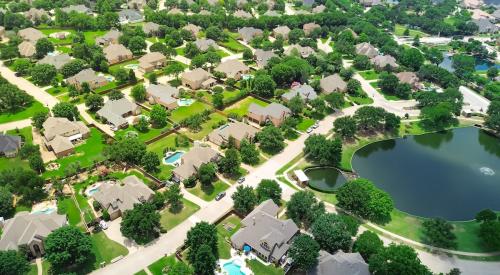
(141, 224)
(129, 150)
(207, 173)
(94, 102)
(271, 140)
(412, 58)
(205, 261)
(322, 150)
(43, 74)
(304, 252)
(158, 116)
(138, 93)
(367, 244)
(6, 202)
(67, 247)
(269, 189)
(24, 183)
(397, 259)
(43, 46)
(151, 162)
(331, 233)
(464, 65)
(244, 199)
(230, 163)
(493, 118)
(439, 232)
(437, 117)
(303, 208)
(202, 233)
(249, 153)
(13, 263)
(345, 127)
(65, 109)
(264, 85)
(489, 232)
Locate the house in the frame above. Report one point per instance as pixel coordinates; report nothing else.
(204, 44)
(274, 112)
(26, 49)
(164, 95)
(30, 34)
(265, 234)
(304, 52)
(193, 29)
(175, 11)
(366, 49)
(281, 30)
(272, 13)
(114, 112)
(409, 78)
(116, 53)
(152, 61)
(370, 3)
(485, 26)
(77, 9)
(232, 68)
(319, 9)
(242, 14)
(248, 33)
(333, 83)
(479, 14)
(192, 160)
(305, 92)
(339, 263)
(9, 145)
(197, 78)
(310, 27)
(30, 230)
(34, 14)
(472, 4)
(60, 134)
(129, 16)
(496, 15)
(151, 28)
(262, 57)
(136, 4)
(116, 197)
(88, 76)
(238, 130)
(57, 61)
(110, 37)
(381, 62)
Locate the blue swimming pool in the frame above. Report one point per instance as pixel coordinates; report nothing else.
(173, 158)
(185, 101)
(233, 269)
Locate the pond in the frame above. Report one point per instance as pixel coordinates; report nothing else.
(326, 179)
(481, 64)
(451, 174)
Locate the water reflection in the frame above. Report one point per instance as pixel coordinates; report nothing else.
(436, 140)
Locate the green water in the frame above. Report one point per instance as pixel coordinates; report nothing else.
(325, 179)
(452, 174)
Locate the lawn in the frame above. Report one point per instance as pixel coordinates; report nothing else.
(184, 112)
(90, 36)
(83, 203)
(232, 220)
(170, 220)
(106, 249)
(180, 51)
(67, 206)
(400, 29)
(386, 95)
(208, 193)
(360, 100)
(241, 107)
(143, 136)
(115, 67)
(45, 268)
(85, 154)
(369, 75)
(106, 87)
(259, 268)
(232, 44)
(64, 49)
(304, 124)
(22, 113)
(67, 40)
(27, 136)
(223, 247)
(157, 267)
(57, 91)
(122, 175)
(228, 95)
(207, 127)
(166, 142)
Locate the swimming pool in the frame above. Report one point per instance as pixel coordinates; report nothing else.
(232, 268)
(185, 101)
(131, 66)
(173, 158)
(47, 210)
(93, 190)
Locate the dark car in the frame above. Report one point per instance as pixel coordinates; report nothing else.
(220, 196)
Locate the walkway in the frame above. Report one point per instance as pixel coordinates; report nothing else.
(38, 93)
(105, 128)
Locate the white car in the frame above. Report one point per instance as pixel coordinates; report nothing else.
(103, 224)
(309, 130)
(316, 125)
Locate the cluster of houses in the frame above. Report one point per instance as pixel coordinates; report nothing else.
(486, 22)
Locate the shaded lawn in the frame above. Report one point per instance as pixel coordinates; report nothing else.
(24, 113)
(241, 107)
(83, 203)
(171, 219)
(142, 272)
(109, 86)
(360, 100)
(90, 36)
(165, 142)
(165, 172)
(232, 219)
(67, 206)
(305, 124)
(149, 134)
(85, 154)
(369, 75)
(206, 127)
(184, 112)
(106, 249)
(400, 29)
(386, 95)
(259, 268)
(228, 95)
(233, 178)
(57, 91)
(157, 267)
(208, 193)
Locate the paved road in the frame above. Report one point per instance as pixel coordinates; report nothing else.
(30, 88)
(473, 101)
(15, 124)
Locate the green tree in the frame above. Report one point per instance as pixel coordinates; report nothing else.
(331, 233)
(249, 153)
(218, 100)
(43, 46)
(137, 44)
(24, 183)
(207, 173)
(269, 189)
(39, 118)
(434, 55)
(353, 87)
(303, 208)
(412, 58)
(13, 263)
(43, 74)
(73, 67)
(205, 262)
(129, 150)
(397, 259)
(438, 232)
(304, 252)
(486, 215)
(180, 268)
(142, 125)
(151, 162)
(22, 66)
(158, 116)
(174, 69)
(138, 93)
(388, 83)
(296, 105)
(464, 66)
(36, 163)
(367, 244)
(264, 85)
(94, 102)
(492, 120)
(369, 118)
(121, 75)
(244, 199)
(202, 233)
(323, 151)
(231, 162)
(132, 79)
(173, 197)
(345, 127)
(489, 232)
(438, 116)
(362, 62)
(492, 72)
(141, 224)
(68, 246)
(65, 109)
(271, 140)
(6, 202)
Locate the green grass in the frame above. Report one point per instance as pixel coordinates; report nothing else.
(142, 272)
(67, 206)
(45, 268)
(223, 247)
(122, 175)
(90, 36)
(157, 267)
(151, 133)
(360, 100)
(259, 268)
(57, 91)
(232, 219)
(56, 41)
(241, 107)
(289, 164)
(64, 49)
(228, 95)
(221, 53)
(7, 163)
(88, 214)
(105, 249)
(184, 112)
(400, 29)
(85, 154)
(22, 113)
(233, 45)
(285, 181)
(369, 75)
(106, 87)
(386, 95)
(180, 51)
(170, 220)
(114, 68)
(305, 124)
(166, 142)
(207, 127)
(208, 193)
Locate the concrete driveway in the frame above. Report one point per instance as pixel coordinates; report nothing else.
(473, 101)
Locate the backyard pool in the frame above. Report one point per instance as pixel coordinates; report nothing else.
(233, 268)
(171, 158)
(131, 66)
(185, 102)
(91, 190)
(46, 207)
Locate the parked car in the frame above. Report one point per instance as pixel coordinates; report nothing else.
(103, 224)
(220, 196)
(316, 125)
(309, 130)
(241, 180)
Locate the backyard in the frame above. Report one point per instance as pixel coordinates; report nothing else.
(400, 29)
(206, 127)
(369, 75)
(259, 268)
(27, 137)
(184, 112)
(232, 44)
(142, 136)
(167, 142)
(170, 219)
(22, 113)
(241, 107)
(209, 192)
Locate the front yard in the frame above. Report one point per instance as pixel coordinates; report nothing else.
(106, 249)
(24, 113)
(241, 107)
(170, 219)
(209, 192)
(369, 75)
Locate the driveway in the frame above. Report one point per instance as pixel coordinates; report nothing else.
(103, 127)
(113, 232)
(15, 124)
(473, 101)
